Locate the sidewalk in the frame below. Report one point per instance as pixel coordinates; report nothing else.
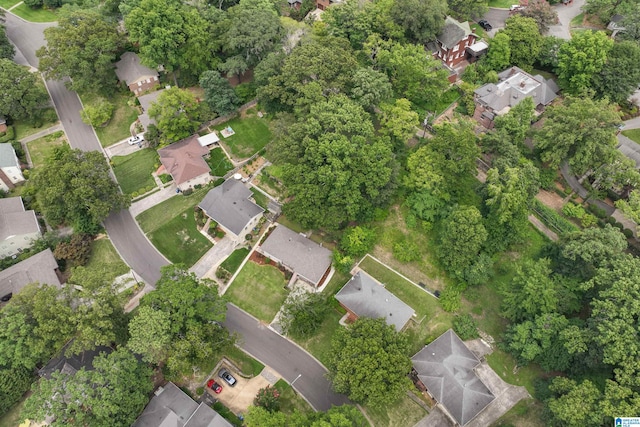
(148, 202)
(42, 133)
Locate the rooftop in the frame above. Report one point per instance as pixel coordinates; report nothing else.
(365, 297)
(229, 205)
(39, 268)
(131, 70)
(453, 32)
(183, 159)
(8, 156)
(73, 363)
(14, 220)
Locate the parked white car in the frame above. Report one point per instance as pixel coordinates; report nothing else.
(137, 139)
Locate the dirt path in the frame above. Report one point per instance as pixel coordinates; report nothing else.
(543, 228)
(550, 199)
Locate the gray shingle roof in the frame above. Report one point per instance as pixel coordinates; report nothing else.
(368, 298)
(8, 156)
(74, 362)
(171, 407)
(14, 220)
(446, 368)
(229, 205)
(453, 32)
(305, 257)
(39, 268)
(131, 70)
(513, 86)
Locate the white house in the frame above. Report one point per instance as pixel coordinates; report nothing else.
(10, 171)
(18, 228)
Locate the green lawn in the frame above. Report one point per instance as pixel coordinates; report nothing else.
(526, 413)
(218, 162)
(25, 128)
(439, 105)
(41, 148)
(11, 418)
(403, 413)
(35, 15)
(261, 199)
(105, 259)
(7, 4)
(118, 128)
(478, 30)
(319, 344)
(290, 400)
(179, 239)
(234, 260)
(247, 364)
(152, 219)
(134, 171)
(259, 290)
(251, 135)
(505, 4)
(290, 224)
(633, 134)
(577, 21)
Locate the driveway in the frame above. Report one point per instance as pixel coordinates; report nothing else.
(122, 148)
(496, 18)
(290, 361)
(635, 122)
(214, 256)
(26, 36)
(565, 15)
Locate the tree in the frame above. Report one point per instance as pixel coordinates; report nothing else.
(605, 9)
(465, 327)
(620, 77)
(525, 40)
(23, 94)
(398, 121)
(465, 10)
(97, 114)
(150, 335)
(14, 383)
(218, 93)
(82, 46)
(631, 24)
(253, 30)
(357, 241)
(75, 188)
(581, 59)
(581, 131)
(177, 113)
(499, 55)
(302, 315)
(113, 393)
(369, 87)
(6, 48)
(365, 352)
(631, 207)
(548, 56)
(592, 248)
(461, 239)
(541, 12)
(257, 416)
(517, 122)
(575, 405)
(268, 398)
(422, 20)
(74, 251)
(532, 292)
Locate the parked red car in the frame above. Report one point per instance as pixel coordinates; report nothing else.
(213, 385)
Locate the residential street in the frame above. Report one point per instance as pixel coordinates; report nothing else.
(284, 357)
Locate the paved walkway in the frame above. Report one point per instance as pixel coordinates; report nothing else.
(543, 228)
(42, 133)
(581, 191)
(148, 202)
(214, 256)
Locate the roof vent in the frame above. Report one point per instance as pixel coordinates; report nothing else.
(522, 83)
(489, 89)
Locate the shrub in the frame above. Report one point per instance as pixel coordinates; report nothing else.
(547, 178)
(589, 220)
(223, 274)
(248, 237)
(450, 299)
(268, 398)
(199, 391)
(574, 211)
(406, 251)
(8, 135)
(342, 262)
(245, 91)
(187, 192)
(197, 186)
(466, 327)
(627, 233)
(220, 234)
(357, 241)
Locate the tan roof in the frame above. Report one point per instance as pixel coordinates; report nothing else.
(14, 220)
(183, 159)
(39, 268)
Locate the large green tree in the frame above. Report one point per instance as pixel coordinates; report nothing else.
(113, 393)
(525, 40)
(398, 121)
(462, 236)
(218, 93)
(421, 19)
(620, 77)
(75, 188)
(23, 94)
(575, 404)
(532, 291)
(464, 10)
(581, 59)
(149, 334)
(581, 131)
(177, 113)
(6, 48)
(364, 353)
(369, 87)
(82, 46)
(499, 55)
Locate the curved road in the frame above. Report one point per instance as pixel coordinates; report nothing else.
(262, 343)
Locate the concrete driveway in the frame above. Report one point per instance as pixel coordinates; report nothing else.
(122, 148)
(214, 256)
(496, 18)
(565, 15)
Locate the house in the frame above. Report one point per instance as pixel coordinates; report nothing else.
(363, 296)
(145, 104)
(452, 42)
(3, 124)
(184, 162)
(40, 268)
(514, 85)
(615, 25)
(295, 4)
(303, 257)
(73, 363)
(18, 227)
(10, 170)
(446, 368)
(324, 4)
(171, 407)
(139, 78)
(229, 205)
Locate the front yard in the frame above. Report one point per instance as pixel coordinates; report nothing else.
(252, 134)
(403, 413)
(105, 259)
(40, 149)
(259, 290)
(25, 128)
(134, 171)
(118, 128)
(35, 15)
(633, 134)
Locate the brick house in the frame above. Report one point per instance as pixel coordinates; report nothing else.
(451, 43)
(184, 161)
(139, 78)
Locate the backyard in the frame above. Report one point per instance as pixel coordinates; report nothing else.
(259, 290)
(218, 162)
(234, 260)
(261, 199)
(118, 127)
(134, 171)
(252, 134)
(403, 413)
(40, 149)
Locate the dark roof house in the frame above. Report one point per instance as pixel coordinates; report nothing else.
(295, 252)
(184, 161)
(616, 25)
(446, 367)
(39, 268)
(171, 407)
(365, 297)
(452, 41)
(138, 77)
(229, 205)
(72, 363)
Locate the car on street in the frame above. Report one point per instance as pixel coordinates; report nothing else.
(213, 385)
(225, 375)
(136, 139)
(485, 25)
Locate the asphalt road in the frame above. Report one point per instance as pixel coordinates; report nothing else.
(27, 36)
(285, 358)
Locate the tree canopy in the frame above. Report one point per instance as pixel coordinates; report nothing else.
(581, 59)
(218, 93)
(421, 19)
(620, 77)
(23, 94)
(525, 40)
(177, 113)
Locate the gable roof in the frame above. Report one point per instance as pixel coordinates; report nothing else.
(513, 86)
(229, 205)
(39, 268)
(367, 298)
(453, 32)
(303, 256)
(8, 156)
(183, 159)
(73, 363)
(171, 407)
(131, 70)
(446, 368)
(14, 220)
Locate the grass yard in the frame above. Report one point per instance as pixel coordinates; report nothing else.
(234, 260)
(290, 400)
(11, 418)
(218, 162)
(105, 259)
(118, 127)
(633, 134)
(439, 105)
(251, 135)
(405, 412)
(505, 4)
(259, 290)
(24, 128)
(319, 344)
(179, 239)
(35, 15)
(290, 224)
(247, 364)
(478, 30)
(270, 185)
(152, 219)
(7, 4)
(577, 21)
(526, 413)
(40, 149)
(261, 199)
(134, 171)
